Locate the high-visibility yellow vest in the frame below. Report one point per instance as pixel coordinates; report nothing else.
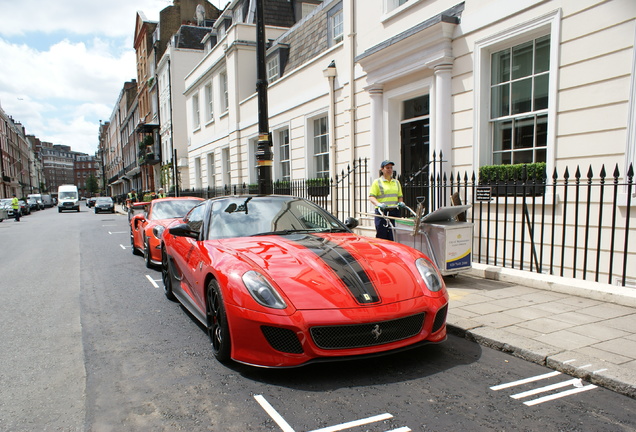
(386, 191)
(15, 204)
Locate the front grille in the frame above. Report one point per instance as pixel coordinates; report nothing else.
(364, 335)
(440, 319)
(282, 339)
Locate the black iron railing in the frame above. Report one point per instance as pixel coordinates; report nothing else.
(581, 227)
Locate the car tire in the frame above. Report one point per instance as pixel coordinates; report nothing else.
(147, 256)
(217, 325)
(166, 276)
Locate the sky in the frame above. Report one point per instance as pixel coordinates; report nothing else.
(63, 63)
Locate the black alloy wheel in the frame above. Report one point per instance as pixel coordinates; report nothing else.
(218, 328)
(166, 276)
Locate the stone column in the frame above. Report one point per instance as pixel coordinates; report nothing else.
(378, 149)
(443, 112)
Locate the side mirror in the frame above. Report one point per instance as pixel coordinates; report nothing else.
(351, 222)
(183, 230)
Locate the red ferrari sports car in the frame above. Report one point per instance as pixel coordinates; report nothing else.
(280, 282)
(146, 227)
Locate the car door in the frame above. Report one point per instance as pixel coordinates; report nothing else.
(186, 259)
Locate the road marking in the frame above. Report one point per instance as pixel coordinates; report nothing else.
(525, 381)
(280, 421)
(124, 247)
(355, 423)
(548, 388)
(118, 232)
(576, 382)
(152, 281)
(560, 395)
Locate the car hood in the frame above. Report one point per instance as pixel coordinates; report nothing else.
(334, 271)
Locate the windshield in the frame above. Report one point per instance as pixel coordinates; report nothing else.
(172, 209)
(68, 195)
(104, 200)
(249, 216)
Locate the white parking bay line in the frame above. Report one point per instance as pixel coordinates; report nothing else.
(560, 395)
(525, 381)
(152, 281)
(280, 421)
(522, 395)
(355, 423)
(118, 232)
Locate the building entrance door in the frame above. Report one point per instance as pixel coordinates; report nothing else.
(415, 146)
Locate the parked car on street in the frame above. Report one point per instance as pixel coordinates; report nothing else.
(146, 228)
(38, 198)
(24, 208)
(33, 204)
(90, 202)
(279, 282)
(104, 204)
(5, 207)
(8, 206)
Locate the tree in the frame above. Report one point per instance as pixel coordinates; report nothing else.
(91, 185)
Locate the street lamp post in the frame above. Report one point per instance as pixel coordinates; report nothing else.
(264, 149)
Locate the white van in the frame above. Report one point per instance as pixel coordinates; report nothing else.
(67, 198)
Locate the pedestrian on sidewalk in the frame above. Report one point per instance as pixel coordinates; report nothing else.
(386, 195)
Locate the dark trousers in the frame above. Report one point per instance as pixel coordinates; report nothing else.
(16, 213)
(382, 228)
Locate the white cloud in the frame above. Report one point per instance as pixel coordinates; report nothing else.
(61, 85)
(113, 18)
(69, 60)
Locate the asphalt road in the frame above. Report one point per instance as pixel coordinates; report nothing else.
(90, 343)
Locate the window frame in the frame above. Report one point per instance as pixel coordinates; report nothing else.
(549, 24)
(313, 155)
(196, 114)
(225, 101)
(279, 143)
(333, 38)
(273, 69)
(209, 102)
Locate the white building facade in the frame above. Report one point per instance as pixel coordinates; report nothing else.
(483, 82)
(480, 82)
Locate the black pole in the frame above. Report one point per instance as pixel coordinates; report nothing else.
(264, 148)
(175, 172)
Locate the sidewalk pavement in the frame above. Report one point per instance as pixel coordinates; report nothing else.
(581, 328)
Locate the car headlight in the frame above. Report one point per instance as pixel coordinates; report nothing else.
(429, 274)
(157, 231)
(261, 290)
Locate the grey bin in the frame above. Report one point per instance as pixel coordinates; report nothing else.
(446, 241)
(3, 215)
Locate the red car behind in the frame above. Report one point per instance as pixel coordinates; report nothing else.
(146, 228)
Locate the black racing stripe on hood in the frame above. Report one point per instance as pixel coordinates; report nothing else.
(343, 264)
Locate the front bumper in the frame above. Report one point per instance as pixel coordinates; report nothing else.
(287, 341)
